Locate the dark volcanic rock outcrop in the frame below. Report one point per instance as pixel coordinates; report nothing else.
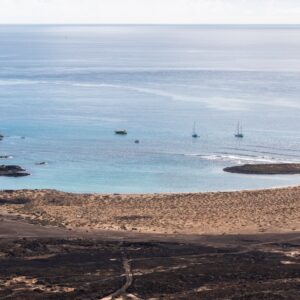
(12, 171)
(265, 169)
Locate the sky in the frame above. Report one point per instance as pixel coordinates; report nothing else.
(150, 11)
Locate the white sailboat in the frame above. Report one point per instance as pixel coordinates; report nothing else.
(239, 131)
(195, 135)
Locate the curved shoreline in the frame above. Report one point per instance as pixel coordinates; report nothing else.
(152, 193)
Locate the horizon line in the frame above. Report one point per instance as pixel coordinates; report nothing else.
(151, 24)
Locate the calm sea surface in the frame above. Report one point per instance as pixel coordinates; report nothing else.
(67, 88)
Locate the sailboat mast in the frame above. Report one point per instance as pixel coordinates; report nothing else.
(194, 135)
(239, 130)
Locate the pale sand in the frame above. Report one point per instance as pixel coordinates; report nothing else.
(246, 212)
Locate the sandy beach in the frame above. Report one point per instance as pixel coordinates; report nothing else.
(245, 212)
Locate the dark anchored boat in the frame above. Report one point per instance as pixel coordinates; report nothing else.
(121, 132)
(239, 131)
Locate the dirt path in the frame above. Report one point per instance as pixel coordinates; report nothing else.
(121, 293)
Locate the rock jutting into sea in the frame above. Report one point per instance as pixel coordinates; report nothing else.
(265, 169)
(12, 171)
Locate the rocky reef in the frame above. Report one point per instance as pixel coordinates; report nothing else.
(265, 169)
(12, 171)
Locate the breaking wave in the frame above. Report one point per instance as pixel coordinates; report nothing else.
(242, 159)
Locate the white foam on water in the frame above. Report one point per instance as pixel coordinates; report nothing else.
(4, 82)
(218, 103)
(241, 159)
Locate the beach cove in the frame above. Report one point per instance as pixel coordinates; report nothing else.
(63, 93)
(124, 174)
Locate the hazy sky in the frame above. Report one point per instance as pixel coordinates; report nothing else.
(150, 11)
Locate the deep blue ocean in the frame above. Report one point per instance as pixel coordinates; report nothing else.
(65, 89)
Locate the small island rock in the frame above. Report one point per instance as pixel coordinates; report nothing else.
(12, 171)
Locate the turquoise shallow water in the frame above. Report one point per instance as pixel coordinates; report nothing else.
(67, 88)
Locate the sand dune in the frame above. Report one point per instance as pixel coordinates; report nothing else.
(274, 210)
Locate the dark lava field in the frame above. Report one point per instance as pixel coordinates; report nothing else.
(77, 268)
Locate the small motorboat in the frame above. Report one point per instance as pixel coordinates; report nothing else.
(121, 132)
